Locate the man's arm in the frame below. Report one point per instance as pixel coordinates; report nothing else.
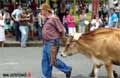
(115, 20)
(59, 26)
(13, 15)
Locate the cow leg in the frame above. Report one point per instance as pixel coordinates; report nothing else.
(92, 74)
(109, 70)
(115, 74)
(95, 70)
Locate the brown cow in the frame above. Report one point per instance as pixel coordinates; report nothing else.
(101, 45)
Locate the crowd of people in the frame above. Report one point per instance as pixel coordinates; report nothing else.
(20, 23)
(105, 18)
(24, 24)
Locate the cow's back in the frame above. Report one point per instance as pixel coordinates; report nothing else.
(104, 43)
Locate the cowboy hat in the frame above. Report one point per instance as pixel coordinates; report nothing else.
(46, 7)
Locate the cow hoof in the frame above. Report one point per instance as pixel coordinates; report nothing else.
(92, 75)
(115, 74)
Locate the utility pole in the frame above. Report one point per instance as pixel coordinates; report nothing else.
(48, 1)
(95, 5)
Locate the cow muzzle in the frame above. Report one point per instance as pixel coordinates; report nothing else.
(63, 54)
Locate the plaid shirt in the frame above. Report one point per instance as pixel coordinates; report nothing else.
(52, 28)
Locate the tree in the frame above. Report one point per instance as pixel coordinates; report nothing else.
(74, 6)
(47, 1)
(95, 5)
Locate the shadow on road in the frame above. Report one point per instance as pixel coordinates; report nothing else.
(80, 76)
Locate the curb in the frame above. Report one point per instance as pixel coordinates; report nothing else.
(17, 44)
(35, 43)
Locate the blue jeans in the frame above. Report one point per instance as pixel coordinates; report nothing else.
(46, 66)
(39, 35)
(66, 28)
(24, 35)
(38, 30)
(17, 31)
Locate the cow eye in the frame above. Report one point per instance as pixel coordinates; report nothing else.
(68, 45)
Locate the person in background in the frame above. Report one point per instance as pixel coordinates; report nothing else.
(65, 23)
(31, 24)
(15, 15)
(37, 26)
(7, 21)
(113, 19)
(40, 22)
(82, 18)
(68, 5)
(24, 19)
(11, 7)
(70, 23)
(52, 31)
(105, 21)
(95, 23)
(2, 32)
(34, 7)
(62, 11)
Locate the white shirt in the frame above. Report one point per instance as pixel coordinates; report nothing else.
(95, 24)
(16, 13)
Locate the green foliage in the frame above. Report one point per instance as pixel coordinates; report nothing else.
(88, 1)
(101, 1)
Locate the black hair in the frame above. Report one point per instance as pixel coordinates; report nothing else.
(112, 9)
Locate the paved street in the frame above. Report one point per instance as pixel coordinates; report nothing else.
(25, 63)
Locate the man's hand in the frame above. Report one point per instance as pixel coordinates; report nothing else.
(62, 34)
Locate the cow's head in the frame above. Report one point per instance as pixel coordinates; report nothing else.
(72, 45)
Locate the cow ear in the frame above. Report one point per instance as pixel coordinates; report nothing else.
(77, 36)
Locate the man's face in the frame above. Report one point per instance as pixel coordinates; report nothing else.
(19, 7)
(44, 12)
(111, 11)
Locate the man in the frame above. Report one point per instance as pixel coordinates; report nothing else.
(24, 19)
(15, 15)
(113, 19)
(52, 31)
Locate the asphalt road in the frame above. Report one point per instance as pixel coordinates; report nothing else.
(26, 63)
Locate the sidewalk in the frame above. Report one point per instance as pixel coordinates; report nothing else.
(11, 42)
